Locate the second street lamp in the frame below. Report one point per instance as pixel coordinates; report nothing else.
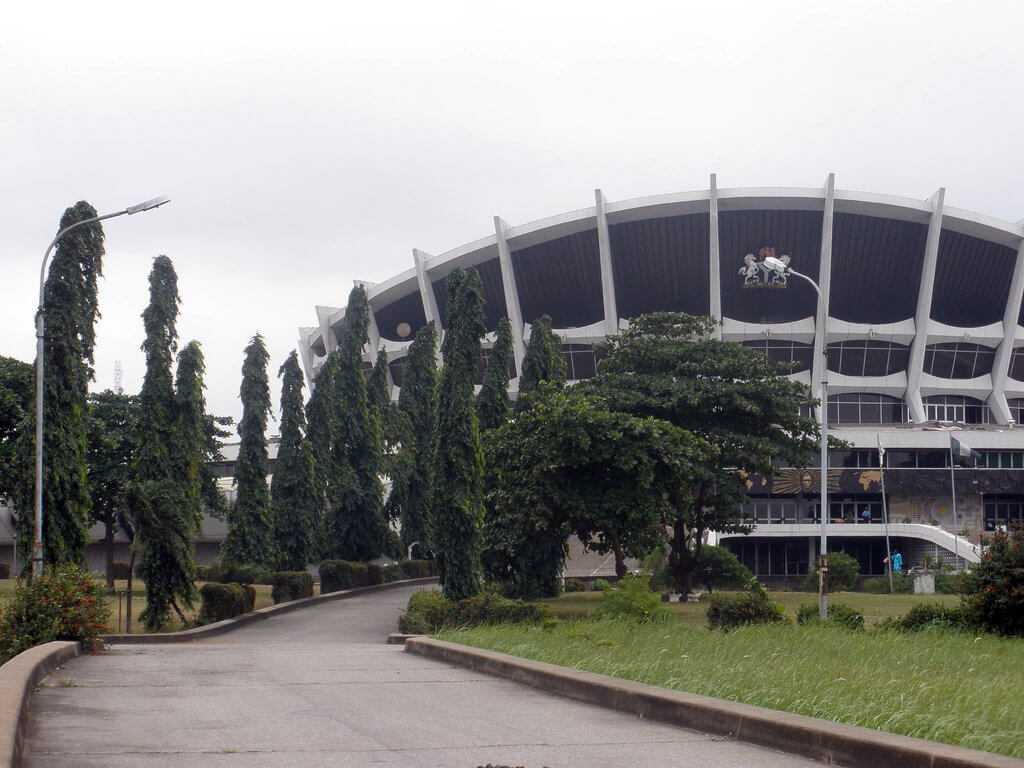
(37, 536)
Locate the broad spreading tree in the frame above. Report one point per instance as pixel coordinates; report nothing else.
(417, 401)
(670, 366)
(456, 511)
(250, 533)
(354, 527)
(71, 307)
(293, 489)
(493, 406)
(162, 515)
(543, 361)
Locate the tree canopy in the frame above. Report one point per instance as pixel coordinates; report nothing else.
(493, 406)
(16, 381)
(543, 361)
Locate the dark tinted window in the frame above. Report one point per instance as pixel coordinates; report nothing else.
(958, 360)
(866, 358)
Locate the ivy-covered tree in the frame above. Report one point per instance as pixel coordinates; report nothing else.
(321, 425)
(16, 380)
(456, 511)
(543, 361)
(355, 519)
(161, 513)
(669, 366)
(71, 305)
(113, 438)
(293, 488)
(417, 401)
(250, 532)
(493, 406)
(190, 428)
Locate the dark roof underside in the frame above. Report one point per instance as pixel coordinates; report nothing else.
(972, 280)
(561, 278)
(408, 309)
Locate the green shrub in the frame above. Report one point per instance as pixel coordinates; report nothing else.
(224, 601)
(994, 590)
(879, 585)
(838, 613)
(382, 574)
(342, 574)
(393, 544)
(203, 572)
(928, 616)
(727, 612)
(656, 564)
(430, 611)
(951, 583)
(292, 585)
(718, 568)
(601, 585)
(574, 585)
(65, 603)
(843, 570)
(235, 573)
(632, 599)
(416, 569)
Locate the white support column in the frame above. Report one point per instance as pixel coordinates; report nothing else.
(508, 281)
(306, 355)
(922, 316)
(714, 260)
(1001, 367)
(604, 245)
(323, 316)
(819, 370)
(429, 300)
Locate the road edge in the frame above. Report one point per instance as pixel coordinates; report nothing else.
(822, 740)
(229, 625)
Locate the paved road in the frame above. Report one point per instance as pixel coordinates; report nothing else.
(318, 687)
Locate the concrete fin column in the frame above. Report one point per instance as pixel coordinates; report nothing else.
(714, 262)
(604, 244)
(306, 355)
(429, 299)
(922, 317)
(819, 368)
(508, 280)
(1004, 354)
(323, 315)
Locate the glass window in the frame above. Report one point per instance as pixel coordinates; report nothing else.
(956, 408)
(900, 459)
(868, 357)
(932, 459)
(865, 408)
(958, 360)
(580, 361)
(1017, 364)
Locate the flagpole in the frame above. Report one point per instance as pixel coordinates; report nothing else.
(885, 510)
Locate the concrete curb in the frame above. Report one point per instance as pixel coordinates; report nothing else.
(821, 740)
(228, 625)
(18, 678)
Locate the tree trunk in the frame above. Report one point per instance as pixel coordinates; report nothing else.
(620, 560)
(108, 543)
(128, 597)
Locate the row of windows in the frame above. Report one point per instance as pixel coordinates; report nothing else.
(917, 458)
(782, 511)
(1004, 513)
(999, 459)
(958, 360)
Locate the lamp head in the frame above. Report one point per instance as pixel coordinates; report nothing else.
(775, 264)
(148, 205)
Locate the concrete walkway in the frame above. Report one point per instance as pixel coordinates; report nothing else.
(319, 687)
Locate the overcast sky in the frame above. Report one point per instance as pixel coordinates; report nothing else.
(306, 145)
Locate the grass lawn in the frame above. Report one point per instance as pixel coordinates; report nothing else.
(948, 687)
(874, 607)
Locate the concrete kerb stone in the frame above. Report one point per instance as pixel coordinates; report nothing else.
(18, 678)
(228, 625)
(829, 742)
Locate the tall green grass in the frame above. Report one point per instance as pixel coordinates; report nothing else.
(953, 688)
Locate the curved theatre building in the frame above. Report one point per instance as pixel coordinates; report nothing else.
(918, 330)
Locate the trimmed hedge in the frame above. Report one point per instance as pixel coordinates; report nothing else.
(235, 573)
(225, 601)
(418, 569)
(430, 612)
(879, 585)
(292, 585)
(342, 574)
(727, 612)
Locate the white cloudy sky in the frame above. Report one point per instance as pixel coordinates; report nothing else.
(309, 144)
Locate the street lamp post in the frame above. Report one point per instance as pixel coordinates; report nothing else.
(37, 539)
(783, 269)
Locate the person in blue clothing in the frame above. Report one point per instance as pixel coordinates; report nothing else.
(897, 562)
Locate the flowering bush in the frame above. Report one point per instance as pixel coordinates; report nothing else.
(66, 603)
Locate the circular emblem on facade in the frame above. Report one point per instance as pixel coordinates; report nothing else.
(404, 330)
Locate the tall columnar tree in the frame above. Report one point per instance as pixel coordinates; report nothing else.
(162, 516)
(492, 404)
(456, 512)
(15, 403)
(378, 393)
(71, 308)
(355, 520)
(543, 361)
(293, 489)
(321, 423)
(417, 400)
(214, 433)
(250, 531)
(191, 423)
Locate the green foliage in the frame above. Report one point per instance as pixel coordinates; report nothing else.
(292, 585)
(293, 490)
(994, 590)
(321, 425)
(236, 573)
(601, 585)
(950, 583)
(250, 534)
(843, 570)
(838, 613)
(342, 574)
(718, 568)
(16, 381)
(456, 510)
(418, 569)
(354, 527)
(431, 611)
(417, 400)
(543, 361)
(879, 585)
(574, 585)
(729, 611)
(930, 616)
(65, 603)
(632, 599)
(670, 367)
(190, 431)
(223, 601)
(493, 406)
